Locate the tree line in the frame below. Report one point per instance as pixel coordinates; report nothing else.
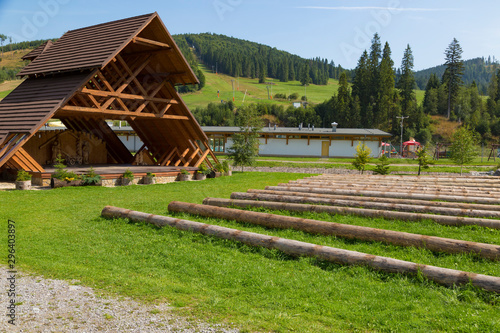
(237, 57)
(476, 70)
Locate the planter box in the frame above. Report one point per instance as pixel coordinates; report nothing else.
(183, 177)
(126, 181)
(200, 176)
(56, 183)
(23, 184)
(149, 180)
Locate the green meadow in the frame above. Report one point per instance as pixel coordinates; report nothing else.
(60, 234)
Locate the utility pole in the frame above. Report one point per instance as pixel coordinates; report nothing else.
(232, 83)
(401, 146)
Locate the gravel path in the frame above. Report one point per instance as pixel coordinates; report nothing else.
(59, 306)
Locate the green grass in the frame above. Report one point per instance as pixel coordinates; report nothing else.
(60, 234)
(4, 93)
(347, 164)
(256, 92)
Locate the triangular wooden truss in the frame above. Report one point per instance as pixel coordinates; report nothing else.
(135, 83)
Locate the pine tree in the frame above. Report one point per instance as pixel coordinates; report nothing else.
(304, 77)
(360, 85)
(386, 90)
(362, 157)
(343, 103)
(452, 76)
(406, 83)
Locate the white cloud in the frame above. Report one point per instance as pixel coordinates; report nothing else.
(378, 8)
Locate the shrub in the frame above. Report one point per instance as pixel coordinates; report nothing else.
(61, 172)
(91, 178)
(23, 176)
(382, 168)
(184, 172)
(128, 174)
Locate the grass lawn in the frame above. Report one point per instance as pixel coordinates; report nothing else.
(60, 234)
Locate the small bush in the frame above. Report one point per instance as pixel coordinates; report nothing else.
(23, 176)
(128, 174)
(91, 178)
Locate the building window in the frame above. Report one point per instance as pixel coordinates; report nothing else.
(217, 144)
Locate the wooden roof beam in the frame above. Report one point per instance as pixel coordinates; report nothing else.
(150, 42)
(71, 110)
(128, 96)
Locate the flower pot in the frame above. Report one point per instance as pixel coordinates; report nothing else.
(200, 176)
(229, 173)
(218, 174)
(127, 181)
(183, 177)
(149, 180)
(23, 184)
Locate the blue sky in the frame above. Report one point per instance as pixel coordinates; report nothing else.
(338, 30)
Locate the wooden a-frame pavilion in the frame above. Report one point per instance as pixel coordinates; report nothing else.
(121, 70)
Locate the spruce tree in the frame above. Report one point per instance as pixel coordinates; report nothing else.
(406, 83)
(360, 85)
(343, 103)
(386, 90)
(452, 76)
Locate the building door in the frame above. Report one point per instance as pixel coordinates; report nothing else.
(325, 148)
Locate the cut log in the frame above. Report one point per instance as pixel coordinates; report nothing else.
(456, 180)
(440, 275)
(464, 186)
(388, 200)
(432, 243)
(382, 194)
(414, 207)
(403, 188)
(441, 219)
(400, 189)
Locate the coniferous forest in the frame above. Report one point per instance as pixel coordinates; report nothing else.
(372, 95)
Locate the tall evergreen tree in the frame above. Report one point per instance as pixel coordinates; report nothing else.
(343, 103)
(386, 90)
(452, 76)
(406, 82)
(360, 85)
(304, 76)
(374, 67)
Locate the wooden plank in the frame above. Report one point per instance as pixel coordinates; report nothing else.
(20, 163)
(216, 160)
(166, 161)
(70, 110)
(13, 148)
(150, 42)
(181, 157)
(204, 156)
(35, 166)
(128, 96)
(132, 76)
(191, 157)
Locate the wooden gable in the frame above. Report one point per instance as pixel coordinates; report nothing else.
(122, 70)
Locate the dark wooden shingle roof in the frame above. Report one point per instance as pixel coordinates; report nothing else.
(39, 50)
(35, 100)
(85, 48)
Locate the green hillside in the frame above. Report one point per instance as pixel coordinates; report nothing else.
(255, 91)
